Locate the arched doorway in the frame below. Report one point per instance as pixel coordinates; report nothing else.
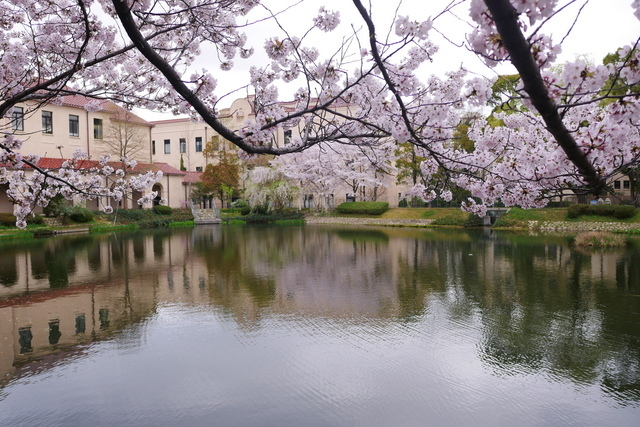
(158, 198)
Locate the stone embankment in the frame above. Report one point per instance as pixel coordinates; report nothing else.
(551, 226)
(578, 227)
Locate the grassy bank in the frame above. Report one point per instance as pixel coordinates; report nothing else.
(515, 218)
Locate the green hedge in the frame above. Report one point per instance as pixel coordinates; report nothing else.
(78, 214)
(9, 219)
(615, 211)
(256, 218)
(163, 210)
(146, 218)
(363, 208)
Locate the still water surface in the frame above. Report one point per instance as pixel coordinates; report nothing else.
(318, 326)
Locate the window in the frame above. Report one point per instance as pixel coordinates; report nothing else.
(54, 331)
(626, 185)
(287, 136)
(17, 118)
(47, 122)
(616, 184)
(308, 201)
(97, 128)
(330, 201)
(153, 147)
(81, 324)
(167, 146)
(74, 125)
(183, 145)
(198, 168)
(198, 144)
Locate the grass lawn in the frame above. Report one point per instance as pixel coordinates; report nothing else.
(423, 213)
(515, 215)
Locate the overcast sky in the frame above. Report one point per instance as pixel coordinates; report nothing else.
(603, 26)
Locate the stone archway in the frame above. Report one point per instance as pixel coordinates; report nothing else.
(157, 187)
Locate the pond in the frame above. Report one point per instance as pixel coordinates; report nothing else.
(318, 326)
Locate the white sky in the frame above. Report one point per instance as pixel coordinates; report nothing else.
(603, 26)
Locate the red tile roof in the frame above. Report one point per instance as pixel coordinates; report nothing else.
(56, 163)
(79, 101)
(192, 177)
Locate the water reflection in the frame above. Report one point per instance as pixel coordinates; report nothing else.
(522, 305)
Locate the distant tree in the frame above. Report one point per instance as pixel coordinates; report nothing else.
(222, 178)
(269, 190)
(125, 138)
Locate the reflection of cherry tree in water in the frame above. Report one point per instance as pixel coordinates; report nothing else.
(539, 306)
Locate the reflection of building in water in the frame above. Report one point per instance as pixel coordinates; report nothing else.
(66, 292)
(63, 292)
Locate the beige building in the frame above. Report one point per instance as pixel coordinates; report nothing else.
(182, 143)
(55, 130)
(97, 127)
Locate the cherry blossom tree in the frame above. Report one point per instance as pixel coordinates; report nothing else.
(143, 53)
(329, 168)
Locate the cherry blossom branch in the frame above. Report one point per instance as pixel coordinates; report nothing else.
(506, 20)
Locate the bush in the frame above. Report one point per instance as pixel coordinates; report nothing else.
(9, 220)
(239, 204)
(599, 239)
(78, 214)
(474, 221)
(289, 216)
(403, 203)
(363, 208)
(56, 206)
(559, 204)
(36, 220)
(615, 211)
(162, 210)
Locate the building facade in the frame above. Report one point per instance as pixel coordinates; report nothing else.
(57, 129)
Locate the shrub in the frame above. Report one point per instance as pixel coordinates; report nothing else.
(615, 211)
(600, 239)
(239, 204)
(559, 204)
(78, 214)
(9, 219)
(162, 210)
(56, 206)
(36, 220)
(363, 208)
(270, 218)
(403, 203)
(504, 222)
(474, 221)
